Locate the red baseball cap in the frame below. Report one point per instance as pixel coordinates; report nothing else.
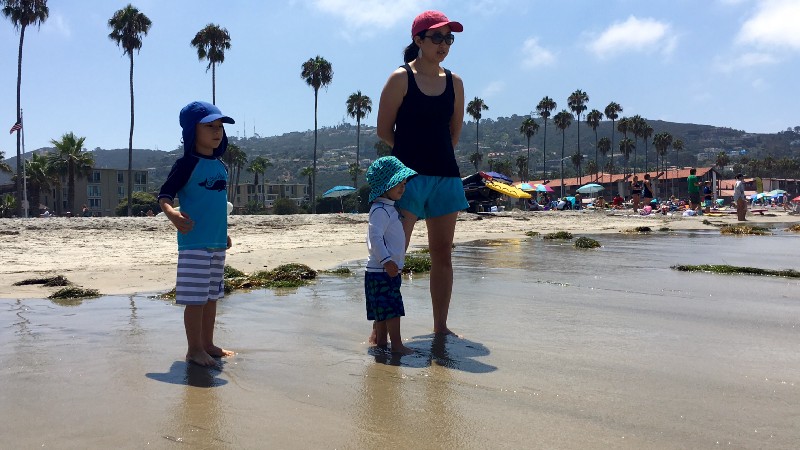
(433, 19)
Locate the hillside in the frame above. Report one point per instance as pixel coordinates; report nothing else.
(500, 139)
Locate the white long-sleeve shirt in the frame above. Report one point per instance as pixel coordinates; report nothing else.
(738, 190)
(386, 239)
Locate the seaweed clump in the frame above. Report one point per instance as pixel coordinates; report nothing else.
(643, 229)
(532, 233)
(585, 242)
(58, 280)
(72, 292)
(565, 235)
(728, 269)
(744, 230)
(283, 276)
(417, 263)
(338, 271)
(795, 228)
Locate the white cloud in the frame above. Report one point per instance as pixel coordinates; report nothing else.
(634, 35)
(534, 55)
(58, 25)
(362, 15)
(746, 60)
(775, 24)
(495, 87)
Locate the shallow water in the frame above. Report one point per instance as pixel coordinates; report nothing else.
(562, 348)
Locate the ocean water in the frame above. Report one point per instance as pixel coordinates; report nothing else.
(559, 348)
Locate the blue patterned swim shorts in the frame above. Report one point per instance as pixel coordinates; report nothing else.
(383, 296)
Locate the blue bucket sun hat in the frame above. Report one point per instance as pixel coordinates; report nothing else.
(385, 173)
(201, 112)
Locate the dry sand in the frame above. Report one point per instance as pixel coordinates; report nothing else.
(118, 255)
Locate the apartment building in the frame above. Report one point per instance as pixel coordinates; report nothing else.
(101, 191)
(267, 193)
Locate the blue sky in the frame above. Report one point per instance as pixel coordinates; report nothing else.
(732, 63)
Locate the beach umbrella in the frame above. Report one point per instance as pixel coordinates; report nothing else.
(796, 199)
(776, 192)
(526, 187)
(590, 188)
(338, 191)
(500, 176)
(543, 188)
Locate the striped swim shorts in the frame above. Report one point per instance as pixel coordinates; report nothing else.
(200, 274)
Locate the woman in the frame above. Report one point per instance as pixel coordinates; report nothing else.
(647, 191)
(420, 116)
(636, 192)
(738, 198)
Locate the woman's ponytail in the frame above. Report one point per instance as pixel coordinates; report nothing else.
(411, 52)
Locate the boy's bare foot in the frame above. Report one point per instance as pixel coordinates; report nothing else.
(402, 350)
(218, 352)
(373, 338)
(201, 358)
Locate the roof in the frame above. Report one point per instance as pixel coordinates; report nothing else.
(605, 178)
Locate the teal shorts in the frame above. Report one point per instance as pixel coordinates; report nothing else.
(431, 196)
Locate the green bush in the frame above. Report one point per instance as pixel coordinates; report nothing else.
(141, 203)
(284, 206)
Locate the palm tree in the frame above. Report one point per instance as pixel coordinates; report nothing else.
(475, 159)
(528, 128)
(722, 160)
(604, 145)
(545, 106)
(358, 107)
(354, 170)
(612, 112)
(23, 13)
(626, 146)
(235, 158)
(211, 43)
(317, 73)
(593, 120)
(577, 161)
(382, 148)
(637, 125)
(522, 167)
(70, 159)
(257, 167)
(662, 141)
(474, 108)
(623, 127)
(4, 167)
(128, 26)
(563, 120)
(309, 172)
(677, 145)
(647, 132)
(577, 104)
(40, 176)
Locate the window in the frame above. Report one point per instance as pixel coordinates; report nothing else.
(94, 177)
(140, 177)
(120, 177)
(93, 190)
(94, 203)
(120, 191)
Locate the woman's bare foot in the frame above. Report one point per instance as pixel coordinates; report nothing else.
(201, 358)
(444, 331)
(218, 352)
(402, 349)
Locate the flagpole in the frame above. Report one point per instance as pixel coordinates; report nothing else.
(24, 177)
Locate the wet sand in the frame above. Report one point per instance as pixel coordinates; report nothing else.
(560, 348)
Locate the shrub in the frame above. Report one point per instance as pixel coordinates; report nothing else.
(284, 206)
(141, 203)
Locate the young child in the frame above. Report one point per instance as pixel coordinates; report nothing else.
(386, 242)
(199, 180)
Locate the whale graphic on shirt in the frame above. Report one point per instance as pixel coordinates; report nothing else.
(213, 184)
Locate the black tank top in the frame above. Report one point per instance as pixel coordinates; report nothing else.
(422, 130)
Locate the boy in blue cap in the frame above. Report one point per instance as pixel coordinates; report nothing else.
(199, 179)
(386, 242)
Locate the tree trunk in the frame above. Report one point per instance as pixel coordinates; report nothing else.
(544, 153)
(130, 146)
(358, 146)
(611, 171)
(213, 84)
(71, 188)
(18, 179)
(314, 175)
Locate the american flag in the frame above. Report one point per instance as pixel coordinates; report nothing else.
(16, 127)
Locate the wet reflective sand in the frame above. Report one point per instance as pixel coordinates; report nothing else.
(562, 348)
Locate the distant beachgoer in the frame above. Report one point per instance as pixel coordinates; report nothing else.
(636, 192)
(386, 243)
(708, 198)
(647, 191)
(600, 202)
(85, 211)
(199, 179)
(150, 213)
(738, 198)
(693, 189)
(420, 116)
(617, 202)
(578, 201)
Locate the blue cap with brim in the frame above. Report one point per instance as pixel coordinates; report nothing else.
(201, 112)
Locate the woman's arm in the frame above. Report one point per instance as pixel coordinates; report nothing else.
(391, 99)
(457, 121)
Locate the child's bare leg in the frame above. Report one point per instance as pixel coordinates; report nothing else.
(373, 336)
(193, 322)
(393, 325)
(209, 319)
(380, 333)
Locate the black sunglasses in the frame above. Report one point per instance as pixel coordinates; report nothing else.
(438, 38)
